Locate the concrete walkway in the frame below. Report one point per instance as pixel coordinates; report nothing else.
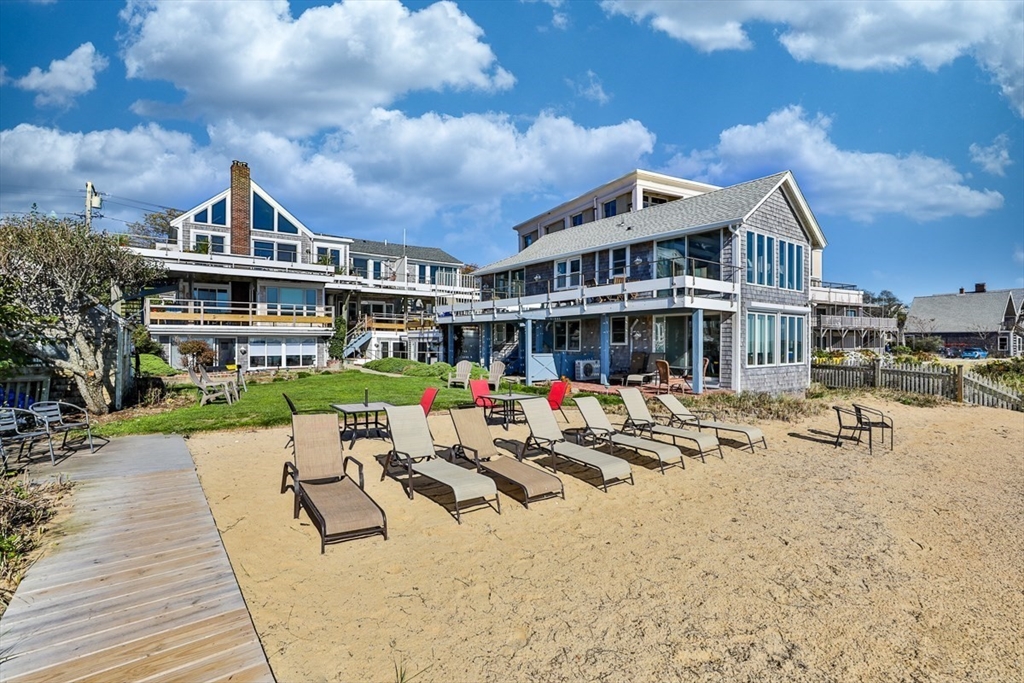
(140, 587)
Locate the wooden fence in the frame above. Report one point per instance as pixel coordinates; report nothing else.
(951, 382)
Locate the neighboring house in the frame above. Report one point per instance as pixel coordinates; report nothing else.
(993, 320)
(842, 321)
(722, 275)
(263, 290)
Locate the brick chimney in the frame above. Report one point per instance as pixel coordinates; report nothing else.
(961, 290)
(979, 287)
(241, 198)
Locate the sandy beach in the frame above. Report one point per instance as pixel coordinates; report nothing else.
(800, 562)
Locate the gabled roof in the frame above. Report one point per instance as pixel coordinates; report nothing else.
(718, 208)
(393, 250)
(969, 312)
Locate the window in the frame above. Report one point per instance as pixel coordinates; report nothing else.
(1003, 344)
(262, 213)
(285, 225)
(270, 352)
(360, 266)
(376, 270)
(769, 334)
(279, 251)
(609, 209)
(618, 260)
(567, 273)
(567, 335)
(263, 250)
(528, 240)
(215, 299)
(791, 265)
(219, 212)
(287, 252)
(500, 334)
(209, 244)
(202, 217)
(291, 300)
(576, 220)
(325, 256)
(619, 332)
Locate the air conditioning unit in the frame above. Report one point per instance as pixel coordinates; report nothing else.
(588, 370)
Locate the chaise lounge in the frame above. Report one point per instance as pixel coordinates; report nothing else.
(686, 418)
(339, 507)
(640, 420)
(600, 428)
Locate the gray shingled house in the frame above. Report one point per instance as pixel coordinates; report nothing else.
(723, 275)
(993, 320)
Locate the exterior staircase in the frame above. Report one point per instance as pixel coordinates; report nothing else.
(356, 338)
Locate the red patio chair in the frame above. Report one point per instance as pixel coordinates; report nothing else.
(556, 395)
(427, 401)
(479, 388)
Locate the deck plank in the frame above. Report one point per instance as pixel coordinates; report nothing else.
(140, 588)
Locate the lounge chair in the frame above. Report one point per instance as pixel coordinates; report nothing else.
(229, 384)
(63, 418)
(427, 400)
(339, 507)
(871, 419)
(477, 446)
(640, 420)
(600, 428)
(686, 418)
(209, 392)
(638, 373)
(461, 375)
(666, 379)
(495, 373)
(413, 447)
(545, 435)
(20, 427)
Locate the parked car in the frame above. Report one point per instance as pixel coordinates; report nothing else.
(974, 352)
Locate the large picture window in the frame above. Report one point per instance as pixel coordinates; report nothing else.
(291, 300)
(791, 339)
(567, 273)
(774, 339)
(274, 352)
(567, 335)
(791, 265)
(276, 251)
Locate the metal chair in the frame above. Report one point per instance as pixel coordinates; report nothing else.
(63, 418)
(18, 426)
(871, 419)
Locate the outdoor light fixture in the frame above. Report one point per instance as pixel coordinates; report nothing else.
(536, 278)
(637, 261)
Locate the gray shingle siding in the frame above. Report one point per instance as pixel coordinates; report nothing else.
(775, 218)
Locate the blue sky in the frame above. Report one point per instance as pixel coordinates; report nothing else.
(451, 122)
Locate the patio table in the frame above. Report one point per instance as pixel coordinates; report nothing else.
(351, 413)
(508, 405)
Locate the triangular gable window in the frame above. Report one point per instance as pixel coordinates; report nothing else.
(215, 214)
(262, 213)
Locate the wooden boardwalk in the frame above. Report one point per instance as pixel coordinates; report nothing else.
(140, 588)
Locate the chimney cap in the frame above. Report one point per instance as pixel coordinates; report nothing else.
(236, 162)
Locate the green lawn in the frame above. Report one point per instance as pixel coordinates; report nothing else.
(263, 406)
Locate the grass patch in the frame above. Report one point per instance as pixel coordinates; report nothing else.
(25, 508)
(263, 406)
(155, 366)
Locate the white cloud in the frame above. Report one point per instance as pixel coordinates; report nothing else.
(1018, 254)
(389, 172)
(995, 158)
(299, 75)
(856, 35)
(590, 87)
(860, 185)
(66, 78)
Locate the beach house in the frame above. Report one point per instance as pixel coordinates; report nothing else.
(992, 320)
(264, 290)
(721, 274)
(842, 321)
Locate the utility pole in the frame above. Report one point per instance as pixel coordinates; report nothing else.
(92, 201)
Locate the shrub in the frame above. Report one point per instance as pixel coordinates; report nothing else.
(926, 344)
(336, 347)
(901, 350)
(196, 352)
(144, 343)
(394, 366)
(154, 366)
(302, 374)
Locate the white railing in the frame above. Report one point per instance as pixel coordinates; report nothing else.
(848, 322)
(220, 313)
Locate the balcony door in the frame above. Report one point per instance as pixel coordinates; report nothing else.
(214, 298)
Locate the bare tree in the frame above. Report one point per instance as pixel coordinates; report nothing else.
(61, 276)
(156, 225)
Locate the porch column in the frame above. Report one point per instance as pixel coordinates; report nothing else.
(527, 367)
(697, 352)
(606, 347)
(485, 352)
(451, 345)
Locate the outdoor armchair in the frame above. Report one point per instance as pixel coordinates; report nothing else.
(209, 392)
(338, 505)
(477, 445)
(63, 418)
(427, 400)
(229, 384)
(461, 375)
(556, 396)
(687, 418)
(495, 373)
(413, 448)
(20, 427)
(640, 420)
(600, 428)
(666, 379)
(871, 419)
(546, 436)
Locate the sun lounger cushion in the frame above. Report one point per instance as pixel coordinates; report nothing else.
(664, 451)
(465, 484)
(343, 506)
(610, 466)
(753, 433)
(536, 482)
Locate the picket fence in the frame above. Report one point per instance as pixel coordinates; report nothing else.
(951, 382)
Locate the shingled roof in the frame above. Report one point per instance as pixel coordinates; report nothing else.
(722, 207)
(393, 250)
(969, 312)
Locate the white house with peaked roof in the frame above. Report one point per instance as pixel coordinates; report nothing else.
(264, 290)
(722, 275)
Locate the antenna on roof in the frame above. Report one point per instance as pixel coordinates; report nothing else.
(403, 241)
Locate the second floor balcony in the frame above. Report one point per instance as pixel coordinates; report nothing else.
(242, 317)
(849, 322)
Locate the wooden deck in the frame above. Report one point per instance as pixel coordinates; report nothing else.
(140, 587)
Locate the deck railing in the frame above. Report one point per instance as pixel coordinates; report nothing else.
(848, 322)
(233, 313)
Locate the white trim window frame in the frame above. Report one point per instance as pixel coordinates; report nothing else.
(277, 252)
(761, 339)
(568, 273)
(288, 352)
(760, 259)
(223, 247)
(619, 337)
(792, 336)
(621, 268)
(206, 213)
(567, 335)
(791, 266)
